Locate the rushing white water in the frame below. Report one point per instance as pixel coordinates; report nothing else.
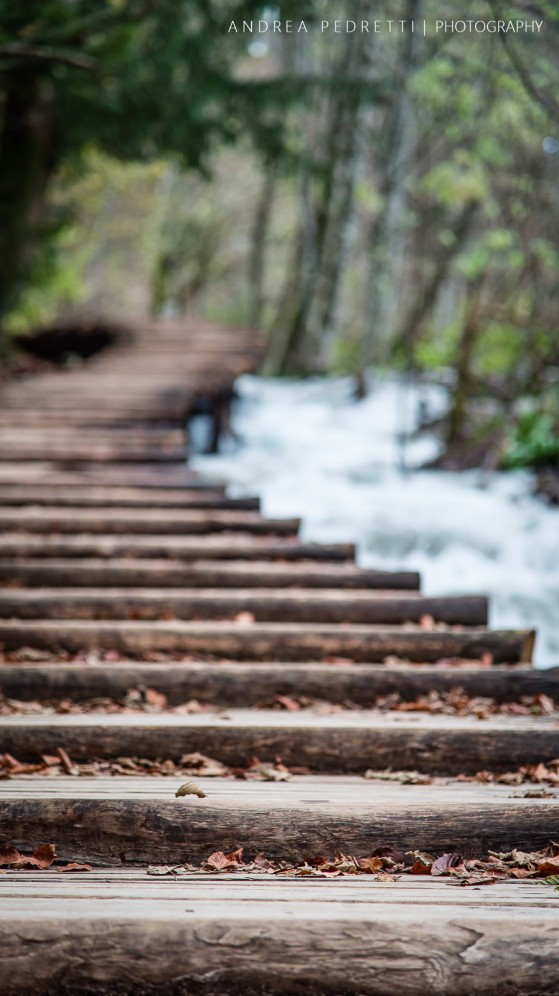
(307, 448)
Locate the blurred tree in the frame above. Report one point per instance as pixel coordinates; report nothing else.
(134, 78)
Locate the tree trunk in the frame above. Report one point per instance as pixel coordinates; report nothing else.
(457, 421)
(387, 247)
(28, 157)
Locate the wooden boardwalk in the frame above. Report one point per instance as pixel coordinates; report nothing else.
(146, 615)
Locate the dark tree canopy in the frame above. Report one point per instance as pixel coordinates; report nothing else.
(134, 78)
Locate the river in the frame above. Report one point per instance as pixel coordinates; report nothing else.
(350, 471)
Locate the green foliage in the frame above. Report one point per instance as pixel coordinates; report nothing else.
(136, 80)
(535, 441)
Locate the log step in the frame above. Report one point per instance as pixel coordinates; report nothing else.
(50, 519)
(342, 743)
(139, 820)
(107, 497)
(247, 684)
(276, 605)
(83, 474)
(93, 452)
(127, 932)
(201, 573)
(234, 546)
(269, 641)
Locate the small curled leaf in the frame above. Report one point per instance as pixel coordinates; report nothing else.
(191, 788)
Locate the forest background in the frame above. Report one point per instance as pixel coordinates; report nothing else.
(366, 200)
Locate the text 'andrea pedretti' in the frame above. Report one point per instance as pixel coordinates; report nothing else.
(466, 26)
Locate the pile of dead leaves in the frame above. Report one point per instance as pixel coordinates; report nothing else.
(539, 774)
(387, 863)
(455, 702)
(41, 859)
(51, 765)
(136, 700)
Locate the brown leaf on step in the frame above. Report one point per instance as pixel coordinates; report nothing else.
(370, 865)
(191, 707)
(191, 788)
(8, 854)
(67, 765)
(419, 868)
(157, 699)
(447, 862)
(265, 772)
(42, 857)
(10, 766)
(287, 703)
(550, 866)
(75, 866)
(262, 862)
(199, 764)
(384, 876)
(223, 862)
(522, 872)
(390, 852)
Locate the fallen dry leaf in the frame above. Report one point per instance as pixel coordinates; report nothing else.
(75, 866)
(8, 854)
(447, 863)
(191, 788)
(221, 862)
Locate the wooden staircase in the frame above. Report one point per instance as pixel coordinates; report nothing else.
(121, 570)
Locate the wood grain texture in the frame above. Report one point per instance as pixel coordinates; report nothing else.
(232, 546)
(139, 821)
(50, 519)
(276, 605)
(269, 641)
(212, 939)
(123, 497)
(250, 683)
(205, 572)
(340, 743)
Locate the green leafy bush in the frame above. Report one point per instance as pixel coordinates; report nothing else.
(535, 442)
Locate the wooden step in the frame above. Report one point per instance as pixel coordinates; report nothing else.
(233, 546)
(107, 497)
(74, 472)
(140, 821)
(269, 641)
(122, 931)
(102, 452)
(348, 742)
(50, 519)
(206, 573)
(250, 683)
(277, 605)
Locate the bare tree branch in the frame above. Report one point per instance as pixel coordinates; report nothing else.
(49, 55)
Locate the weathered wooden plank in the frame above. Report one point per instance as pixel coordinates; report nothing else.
(342, 743)
(269, 641)
(277, 605)
(251, 683)
(328, 939)
(76, 473)
(107, 497)
(140, 821)
(102, 452)
(206, 573)
(233, 546)
(49, 519)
